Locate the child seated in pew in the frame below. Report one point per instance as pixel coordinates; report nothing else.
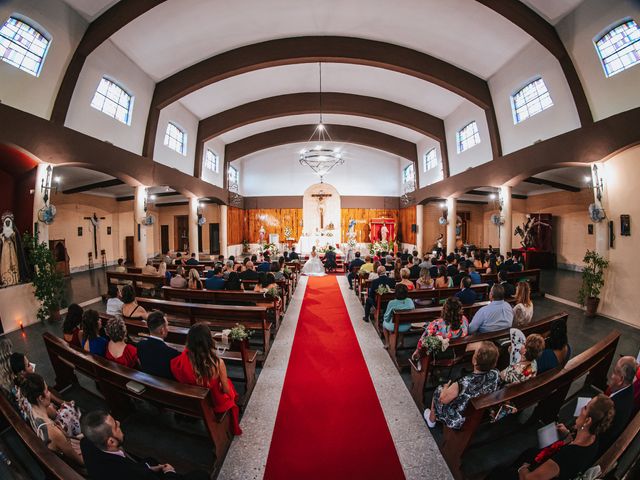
(117, 349)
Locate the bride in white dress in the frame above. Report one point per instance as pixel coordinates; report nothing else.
(313, 266)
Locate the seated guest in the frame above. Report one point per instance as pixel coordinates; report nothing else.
(523, 310)
(91, 340)
(401, 302)
(453, 324)
(215, 281)
(178, 280)
(249, 273)
(19, 366)
(118, 350)
(516, 266)
(467, 295)
(577, 453)
(198, 364)
(527, 367)
(450, 401)
(267, 282)
(495, 316)
(493, 265)
(558, 351)
(404, 279)
(506, 264)
(426, 262)
(166, 258)
(443, 280)
(130, 308)
(194, 283)
(105, 458)
(120, 268)
(475, 276)
(621, 392)
(265, 266)
(357, 262)
(220, 261)
(293, 256)
(179, 260)
(71, 325)
(56, 426)
(404, 256)
(382, 279)
(162, 272)
(374, 274)
(192, 261)
(424, 281)
(149, 269)
(397, 266)
(509, 289)
(277, 272)
(233, 282)
(367, 266)
(456, 280)
(153, 353)
(415, 268)
(229, 266)
(114, 304)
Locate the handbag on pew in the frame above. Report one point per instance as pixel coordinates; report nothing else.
(221, 341)
(505, 409)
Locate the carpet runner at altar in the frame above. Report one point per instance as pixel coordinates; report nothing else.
(330, 423)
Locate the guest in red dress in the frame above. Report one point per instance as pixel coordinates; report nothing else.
(71, 325)
(117, 349)
(198, 364)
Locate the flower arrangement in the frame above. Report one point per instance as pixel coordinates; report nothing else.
(273, 292)
(239, 333)
(245, 246)
(380, 247)
(434, 344)
(270, 248)
(352, 243)
(327, 248)
(382, 289)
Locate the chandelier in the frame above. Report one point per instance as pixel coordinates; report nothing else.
(317, 154)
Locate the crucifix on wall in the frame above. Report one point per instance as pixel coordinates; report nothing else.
(95, 221)
(321, 196)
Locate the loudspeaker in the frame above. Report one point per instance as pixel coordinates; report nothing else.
(414, 228)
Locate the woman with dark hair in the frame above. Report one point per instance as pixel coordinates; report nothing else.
(401, 302)
(493, 265)
(233, 282)
(266, 282)
(91, 340)
(19, 366)
(198, 364)
(118, 350)
(558, 351)
(71, 324)
(443, 280)
(397, 268)
(275, 269)
(131, 309)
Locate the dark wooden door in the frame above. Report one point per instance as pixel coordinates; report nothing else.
(128, 249)
(182, 233)
(164, 238)
(199, 238)
(214, 238)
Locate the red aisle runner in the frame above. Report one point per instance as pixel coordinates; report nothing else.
(330, 423)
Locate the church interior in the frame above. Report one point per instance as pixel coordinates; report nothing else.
(319, 187)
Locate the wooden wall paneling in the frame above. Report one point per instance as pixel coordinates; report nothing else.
(407, 217)
(274, 221)
(362, 216)
(236, 226)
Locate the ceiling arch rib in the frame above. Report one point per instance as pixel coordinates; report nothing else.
(296, 50)
(337, 103)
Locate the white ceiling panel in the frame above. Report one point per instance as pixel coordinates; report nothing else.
(552, 10)
(91, 9)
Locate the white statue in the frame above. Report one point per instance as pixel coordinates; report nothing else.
(262, 232)
(12, 262)
(384, 233)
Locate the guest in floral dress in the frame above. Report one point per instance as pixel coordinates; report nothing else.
(450, 400)
(527, 367)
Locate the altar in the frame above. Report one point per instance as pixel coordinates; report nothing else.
(318, 240)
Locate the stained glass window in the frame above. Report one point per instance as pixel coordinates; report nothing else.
(619, 48)
(111, 99)
(530, 100)
(430, 160)
(234, 177)
(211, 161)
(23, 46)
(176, 139)
(467, 137)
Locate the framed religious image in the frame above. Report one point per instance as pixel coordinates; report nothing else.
(108, 230)
(625, 225)
(590, 229)
(79, 231)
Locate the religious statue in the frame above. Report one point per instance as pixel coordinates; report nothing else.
(526, 232)
(262, 232)
(384, 233)
(13, 265)
(440, 242)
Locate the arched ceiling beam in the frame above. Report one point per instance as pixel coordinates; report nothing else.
(546, 35)
(99, 31)
(304, 103)
(290, 51)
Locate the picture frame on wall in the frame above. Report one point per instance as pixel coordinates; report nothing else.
(108, 230)
(625, 225)
(79, 231)
(590, 229)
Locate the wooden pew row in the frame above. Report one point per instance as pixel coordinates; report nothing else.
(136, 280)
(532, 276)
(460, 347)
(295, 270)
(548, 391)
(114, 382)
(54, 467)
(284, 285)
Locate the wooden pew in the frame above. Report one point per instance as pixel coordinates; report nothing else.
(532, 276)
(136, 279)
(609, 459)
(548, 391)
(113, 379)
(460, 346)
(284, 285)
(53, 466)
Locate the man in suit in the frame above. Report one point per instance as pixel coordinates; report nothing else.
(155, 355)
(330, 260)
(621, 392)
(264, 266)
(105, 458)
(467, 296)
(293, 256)
(506, 265)
(382, 279)
(192, 260)
(250, 272)
(215, 281)
(356, 262)
(509, 288)
(415, 268)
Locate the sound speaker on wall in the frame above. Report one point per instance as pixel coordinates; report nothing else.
(414, 228)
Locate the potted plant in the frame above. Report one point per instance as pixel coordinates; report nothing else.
(592, 281)
(245, 246)
(48, 283)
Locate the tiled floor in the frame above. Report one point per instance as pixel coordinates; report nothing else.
(561, 283)
(84, 286)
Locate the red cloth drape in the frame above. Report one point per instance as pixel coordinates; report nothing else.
(376, 224)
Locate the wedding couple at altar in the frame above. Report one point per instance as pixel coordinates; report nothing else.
(314, 266)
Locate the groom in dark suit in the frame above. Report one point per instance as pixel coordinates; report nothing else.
(330, 260)
(155, 355)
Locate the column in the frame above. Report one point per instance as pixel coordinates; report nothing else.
(139, 230)
(419, 232)
(600, 229)
(38, 202)
(506, 229)
(193, 227)
(452, 215)
(223, 231)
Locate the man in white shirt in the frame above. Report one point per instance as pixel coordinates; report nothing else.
(114, 304)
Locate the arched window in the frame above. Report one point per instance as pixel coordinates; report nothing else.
(430, 160)
(467, 137)
(530, 100)
(176, 139)
(112, 99)
(23, 46)
(211, 161)
(619, 48)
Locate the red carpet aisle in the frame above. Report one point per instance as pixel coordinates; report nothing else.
(330, 424)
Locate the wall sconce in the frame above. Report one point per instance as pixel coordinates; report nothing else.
(45, 184)
(598, 184)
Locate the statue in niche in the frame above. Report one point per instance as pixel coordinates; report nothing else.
(384, 233)
(13, 264)
(261, 234)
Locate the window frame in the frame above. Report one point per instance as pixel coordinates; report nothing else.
(405, 178)
(41, 31)
(230, 169)
(616, 53)
(530, 82)
(426, 166)
(183, 131)
(124, 90)
(460, 141)
(215, 160)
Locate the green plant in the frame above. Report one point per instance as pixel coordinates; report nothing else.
(434, 344)
(273, 292)
(592, 276)
(239, 333)
(245, 246)
(382, 289)
(47, 281)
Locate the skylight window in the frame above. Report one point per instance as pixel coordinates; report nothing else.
(113, 100)
(23, 46)
(530, 100)
(430, 160)
(467, 137)
(619, 48)
(211, 161)
(176, 139)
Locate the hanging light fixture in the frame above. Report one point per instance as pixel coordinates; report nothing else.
(317, 154)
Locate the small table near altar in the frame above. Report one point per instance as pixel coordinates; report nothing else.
(318, 240)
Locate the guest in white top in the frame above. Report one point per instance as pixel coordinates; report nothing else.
(114, 304)
(523, 311)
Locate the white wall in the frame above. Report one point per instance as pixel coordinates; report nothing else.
(435, 174)
(476, 155)
(186, 120)
(607, 96)
(531, 62)
(22, 90)
(107, 60)
(217, 146)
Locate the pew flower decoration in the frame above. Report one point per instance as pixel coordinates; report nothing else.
(433, 344)
(273, 292)
(287, 272)
(382, 289)
(239, 333)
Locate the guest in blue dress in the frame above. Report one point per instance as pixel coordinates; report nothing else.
(558, 351)
(91, 340)
(401, 302)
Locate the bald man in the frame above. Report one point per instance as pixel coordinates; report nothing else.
(621, 392)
